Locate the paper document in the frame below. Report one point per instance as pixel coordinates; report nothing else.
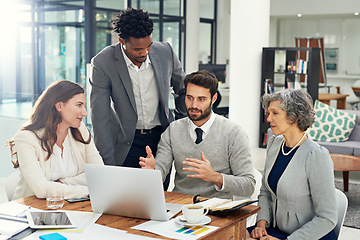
(13, 209)
(94, 232)
(9, 228)
(218, 204)
(12, 219)
(214, 202)
(103, 232)
(83, 220)
(171, 229)
(173, 209)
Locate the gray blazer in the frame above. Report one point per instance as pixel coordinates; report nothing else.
(114, 126)
(305, 203)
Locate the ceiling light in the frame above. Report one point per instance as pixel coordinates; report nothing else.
(299, 15)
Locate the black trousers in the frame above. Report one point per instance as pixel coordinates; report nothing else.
(137, 150)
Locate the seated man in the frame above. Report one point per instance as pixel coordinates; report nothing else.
(211, 154)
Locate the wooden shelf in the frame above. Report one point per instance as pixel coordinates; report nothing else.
(280, 79)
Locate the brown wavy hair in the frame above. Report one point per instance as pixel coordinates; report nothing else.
(45, 116)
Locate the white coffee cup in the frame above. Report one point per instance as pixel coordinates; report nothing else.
(194, 213)
(55, 198)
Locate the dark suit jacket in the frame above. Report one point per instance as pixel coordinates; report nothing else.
(114, 124)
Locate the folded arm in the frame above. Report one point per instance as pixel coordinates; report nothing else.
(33, 169)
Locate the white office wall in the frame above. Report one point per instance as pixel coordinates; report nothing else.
(223, 32)
(249, 33)
(317, 7)
(341, 32)
(351, 46)
(192, 36)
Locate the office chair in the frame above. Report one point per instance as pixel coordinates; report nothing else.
(342, 205)
(357, 84)
(250, 221)
(352, 99)
(11, 183)
(224, 111)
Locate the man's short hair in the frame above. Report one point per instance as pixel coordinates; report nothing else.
(133, 23)
(203, 79)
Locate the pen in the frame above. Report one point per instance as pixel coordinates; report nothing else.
(11, 218)
(23, 213)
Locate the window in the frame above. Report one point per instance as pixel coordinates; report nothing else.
(207, 36)
(49, 40)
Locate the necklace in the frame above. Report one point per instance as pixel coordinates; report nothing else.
(282, 147)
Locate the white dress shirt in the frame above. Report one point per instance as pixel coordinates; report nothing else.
(145, 92)
(63, 165)
(205, 127)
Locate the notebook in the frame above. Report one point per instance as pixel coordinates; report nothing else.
(130, 192)
(9, 228)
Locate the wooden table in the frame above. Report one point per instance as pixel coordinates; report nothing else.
(231, 226)
(340, 98)
(345, 163)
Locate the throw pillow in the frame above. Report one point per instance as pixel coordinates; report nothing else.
(331, 125)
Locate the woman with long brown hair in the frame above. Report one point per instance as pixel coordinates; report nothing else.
(52, 148)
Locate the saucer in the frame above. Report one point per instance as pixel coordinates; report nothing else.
(204, 221)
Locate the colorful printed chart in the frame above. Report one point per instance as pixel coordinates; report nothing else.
(173, 230)
(193, 230)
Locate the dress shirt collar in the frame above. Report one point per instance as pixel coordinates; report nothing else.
(129, 63)
(205, 127)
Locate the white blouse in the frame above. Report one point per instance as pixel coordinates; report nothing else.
(63, 165)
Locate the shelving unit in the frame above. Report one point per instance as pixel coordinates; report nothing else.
(277, 73)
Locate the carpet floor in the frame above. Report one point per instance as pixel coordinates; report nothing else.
(352, 218)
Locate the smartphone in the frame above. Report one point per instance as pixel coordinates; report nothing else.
(72, 200)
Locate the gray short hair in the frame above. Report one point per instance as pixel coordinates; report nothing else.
(298, 105)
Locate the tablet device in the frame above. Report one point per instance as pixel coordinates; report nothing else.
(49, 219)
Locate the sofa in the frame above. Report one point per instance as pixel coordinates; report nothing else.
(349, 147)
(352, 145)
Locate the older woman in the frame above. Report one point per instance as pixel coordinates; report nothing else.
(54, 145)
(297, 198)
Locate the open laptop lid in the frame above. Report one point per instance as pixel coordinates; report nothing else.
(130, 192)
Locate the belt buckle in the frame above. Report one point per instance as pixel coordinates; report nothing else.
(145, 131)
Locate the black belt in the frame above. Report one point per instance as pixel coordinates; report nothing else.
(148, 131)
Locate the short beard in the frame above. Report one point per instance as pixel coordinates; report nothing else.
(138, 61)
(202, 116)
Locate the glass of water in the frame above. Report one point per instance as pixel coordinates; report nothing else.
(55, 198)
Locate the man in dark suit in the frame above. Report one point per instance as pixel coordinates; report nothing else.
(131, 83)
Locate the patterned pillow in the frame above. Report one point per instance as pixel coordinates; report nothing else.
(331, 125)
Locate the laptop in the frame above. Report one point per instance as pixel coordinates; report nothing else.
(129, 192)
